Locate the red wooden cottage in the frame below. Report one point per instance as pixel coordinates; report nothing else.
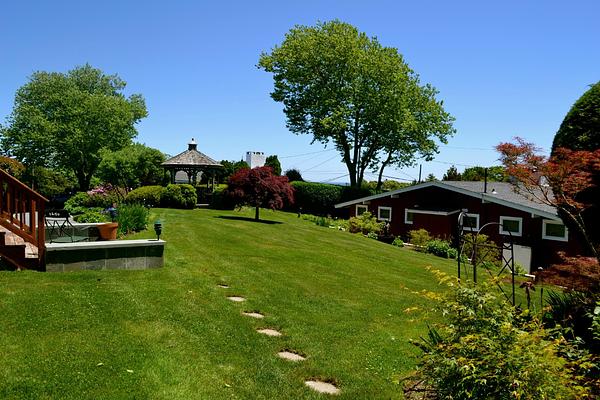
(537, 231)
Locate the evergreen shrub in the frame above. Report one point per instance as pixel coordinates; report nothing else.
(147, 195)
(180, 196)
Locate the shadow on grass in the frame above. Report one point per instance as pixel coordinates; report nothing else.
(248, 219)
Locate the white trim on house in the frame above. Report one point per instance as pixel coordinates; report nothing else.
(431, 212)
(507, 218)
(360, 206)
(379, 209)
(406, 220)
(485, 197)
(546, 222)
(468, 228)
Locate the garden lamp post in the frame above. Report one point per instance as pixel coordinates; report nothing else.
(158, 229)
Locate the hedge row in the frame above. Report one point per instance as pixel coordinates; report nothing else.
(172, 196)
(320, 198)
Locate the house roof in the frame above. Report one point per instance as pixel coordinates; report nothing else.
(191, 158)
(503, 193)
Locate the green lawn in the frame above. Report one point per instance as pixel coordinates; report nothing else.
(339, 299)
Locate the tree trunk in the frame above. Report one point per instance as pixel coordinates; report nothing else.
(83, 180)
(380, 176)
(256, 217)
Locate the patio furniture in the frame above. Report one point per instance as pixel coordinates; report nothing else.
(61, 230)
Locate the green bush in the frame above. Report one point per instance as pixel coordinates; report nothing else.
(420, 238)
(100, 197)
(147, 195)
(92, 215)
(221, 200)
(488, 350)
(365, 224)
(180, 196)
(398, 242)
(438, 247)
(452, 253)
(316, 198)
(487, 251)
(132, 218)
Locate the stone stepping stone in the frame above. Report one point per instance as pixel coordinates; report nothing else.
(322, 387)
(269, 332)
(223, 286)
(237, 299)
(290, 356)
(253, 315)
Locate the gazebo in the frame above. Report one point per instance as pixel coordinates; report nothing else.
(192, 162)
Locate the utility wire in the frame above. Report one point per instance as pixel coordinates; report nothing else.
(307, 154)
(319, 164)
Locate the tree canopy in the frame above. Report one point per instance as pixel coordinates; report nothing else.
(294, 175)
(64, 120)
(580, 130)
(564, 181)
(452, 174)
(273, 162)
(259, 187)
(495, 173)
(346, 89)
(132, 166)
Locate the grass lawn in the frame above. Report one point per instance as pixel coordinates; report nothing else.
(339, 299)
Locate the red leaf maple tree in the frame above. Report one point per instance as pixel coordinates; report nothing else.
(259, 187)
(567, 180)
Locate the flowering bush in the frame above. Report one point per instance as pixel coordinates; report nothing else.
(487, 349)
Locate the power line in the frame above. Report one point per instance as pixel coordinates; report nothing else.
(307, 154)
(319, 164)
(333, 179)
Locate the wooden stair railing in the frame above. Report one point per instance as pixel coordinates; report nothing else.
(22, 212)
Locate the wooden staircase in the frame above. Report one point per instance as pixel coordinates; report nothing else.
(22, 225)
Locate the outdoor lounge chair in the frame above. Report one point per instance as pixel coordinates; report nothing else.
(61, 230)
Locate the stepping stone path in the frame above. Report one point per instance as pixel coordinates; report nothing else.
(269, 332)
(253, 315)
(316, 385)
(290, 356)
(322, 387)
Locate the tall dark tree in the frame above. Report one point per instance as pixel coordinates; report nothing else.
(259, 187)
(346, 89)
(273, 162)
(64, 120)
(294, 175)
(580, 130)
(452, 174)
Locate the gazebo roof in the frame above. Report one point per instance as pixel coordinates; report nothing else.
(191, 158)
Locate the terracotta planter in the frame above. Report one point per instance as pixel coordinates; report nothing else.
(108, 231)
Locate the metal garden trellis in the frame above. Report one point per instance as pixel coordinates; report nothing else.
(480, 253)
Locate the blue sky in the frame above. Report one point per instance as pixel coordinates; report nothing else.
(503, 68)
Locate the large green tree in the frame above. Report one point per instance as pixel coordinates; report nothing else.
(495, 173)
(132, 166)
(580, 130)
(345, 88)
(273, 162)
(64, 120)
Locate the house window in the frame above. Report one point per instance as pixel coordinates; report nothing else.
(360, 209)
(471, 222)
(384, 213)
(554, 230)
(408, 216)
(511, 225)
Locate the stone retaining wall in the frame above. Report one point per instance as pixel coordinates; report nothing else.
(114, 254)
